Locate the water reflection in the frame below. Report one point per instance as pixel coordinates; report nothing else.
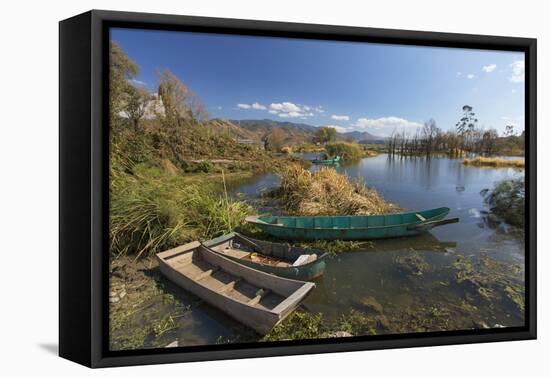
(416, 183)
(429, 282)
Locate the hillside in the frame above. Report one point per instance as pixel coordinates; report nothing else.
(295, 133)
(361, 136)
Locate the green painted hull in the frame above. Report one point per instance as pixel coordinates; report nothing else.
(279, 251)
(336, 160)
(352, 227)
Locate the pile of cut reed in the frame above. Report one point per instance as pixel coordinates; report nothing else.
(327, 192)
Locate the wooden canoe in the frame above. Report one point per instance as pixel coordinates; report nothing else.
(274, 258)
(255, 299)
(352, 227)
(335, 160)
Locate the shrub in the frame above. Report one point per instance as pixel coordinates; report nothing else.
(347, 151)
(286, 150)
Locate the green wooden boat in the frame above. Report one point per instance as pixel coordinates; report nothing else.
(335, 160)
(352, 227)
(282, 260)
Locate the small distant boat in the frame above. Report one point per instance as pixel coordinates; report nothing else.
(334, 160)
(282, 260)
(256, 299)
(361, 227)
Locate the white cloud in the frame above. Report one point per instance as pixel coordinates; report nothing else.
(319, 109)
(258, 106)
(340, 117)
(290, 110)
(286, 107)
(470, 76)
(340, 129)
(489, 68)
(459, 74)
(518, 71)
(386, 125)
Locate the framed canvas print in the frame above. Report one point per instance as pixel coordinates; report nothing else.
(233, 188)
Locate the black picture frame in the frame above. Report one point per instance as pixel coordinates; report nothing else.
(83, 180)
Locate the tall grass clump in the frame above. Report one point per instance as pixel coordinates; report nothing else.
(151, 211)
(326, 192)
(347, 151)
(481, 161)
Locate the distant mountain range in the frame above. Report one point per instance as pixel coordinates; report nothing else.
(362, 136)
(296, 132)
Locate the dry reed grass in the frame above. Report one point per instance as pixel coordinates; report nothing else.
(326, 192)
(481, 161)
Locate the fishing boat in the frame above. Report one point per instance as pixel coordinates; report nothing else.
(282, 260)
(254, 298)
(360, 227)
(334, 160)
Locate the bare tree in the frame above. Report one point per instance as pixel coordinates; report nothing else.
(136, 100)
(274, 140)
(122, 69)
(429, 135)
(509, 131)
(179, 102)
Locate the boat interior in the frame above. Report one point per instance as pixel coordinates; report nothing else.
(198, 269)
(243, 249)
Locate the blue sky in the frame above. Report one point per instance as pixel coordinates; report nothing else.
(352, 86)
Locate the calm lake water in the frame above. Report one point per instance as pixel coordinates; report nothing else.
(382, 271)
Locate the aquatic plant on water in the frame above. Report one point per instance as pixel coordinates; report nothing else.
(507, 201)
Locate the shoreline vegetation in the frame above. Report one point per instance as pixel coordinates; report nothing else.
(507, 202)
(492, 162)
(170, 167)
(467, 138)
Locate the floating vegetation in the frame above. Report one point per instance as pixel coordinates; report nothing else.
(335, 247)
(507, 201)
(304, 325)
(491, 279)
(481, 161)
(327, 192)
(412, 263)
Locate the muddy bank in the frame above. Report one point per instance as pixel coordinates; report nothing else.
(148, 311)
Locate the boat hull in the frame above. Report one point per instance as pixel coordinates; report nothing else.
(191, 267)
(328, 162)
(306, 272)
(352, 227)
